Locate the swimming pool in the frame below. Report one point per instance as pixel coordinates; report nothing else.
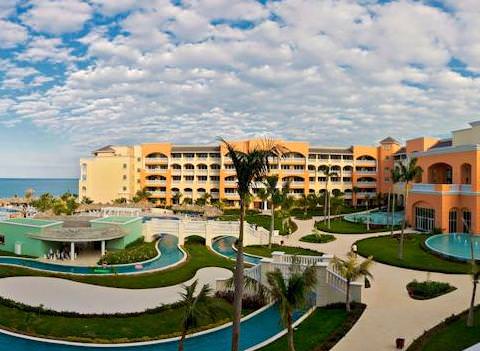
(254, 330)
(376, 217)
(455, 245)
(224, 246)
(170, 254)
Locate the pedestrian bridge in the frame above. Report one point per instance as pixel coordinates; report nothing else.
(209, 230)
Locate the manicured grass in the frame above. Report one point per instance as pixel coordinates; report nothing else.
(264, 251)
(450, 335)
(137, 251)
(428, 289)
(384, 249)
(199, 256)
(321, 330)
(318, 238)
(299, 213)
(259, 219)
(162, 322)
(341, 226)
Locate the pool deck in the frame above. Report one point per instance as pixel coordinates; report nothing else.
(390, 312)
(65, 295)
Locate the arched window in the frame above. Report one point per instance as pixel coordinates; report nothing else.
(214, 166)
(188, 166)
(452, 220)
(466, 173)
(176, 166)
(440, 173)
(466, 220)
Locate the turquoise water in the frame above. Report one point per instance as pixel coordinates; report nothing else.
(253, 331)
(15, 186)
(169, 254)
(224, 247)
(382, 218)
(456, 245)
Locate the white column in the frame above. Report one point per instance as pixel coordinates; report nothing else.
(265, 206)
(72, 251)
(103, 247)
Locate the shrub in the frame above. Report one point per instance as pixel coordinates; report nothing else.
(318, 238)
(137, 251)
(428, 289)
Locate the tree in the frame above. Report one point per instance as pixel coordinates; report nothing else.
(355, 191)
(275, 197)
(396, 178)
(250, 166)
(142, 196)
(351, 270)
(187, 201)
(262, 194)
(86, 201)
(303, 203)
(192, 305)
(203, 200)
(288, 203)
(120, 200)
(44, 202)
(328, 173)
(408, 173)
(291, 294)
(177, 197)
(337, 203)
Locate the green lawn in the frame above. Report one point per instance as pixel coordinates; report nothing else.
(341, 226)
(453, 335)
(258, 219)
(137, 251)
(163, 322)
(384, 249)
(318, 238)
(321, 330)
(264, 251)
(199, 256)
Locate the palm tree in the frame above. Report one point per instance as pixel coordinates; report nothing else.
(408, 173)
(288, 204)
(327, 171)
(355, 190)
(351, 270)
(303, 203)
(177, 197)
(396, 177)
(262, 194)
(192, 305)
(291, 294)
(142, 196)
(275, 196)
(250, 166)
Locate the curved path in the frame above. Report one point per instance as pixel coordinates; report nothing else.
(390, 312)
(66, 295)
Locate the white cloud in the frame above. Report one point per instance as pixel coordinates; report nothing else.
(41, 48)
(57, 16)
(11, 34)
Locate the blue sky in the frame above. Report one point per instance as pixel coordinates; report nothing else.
(79, 74)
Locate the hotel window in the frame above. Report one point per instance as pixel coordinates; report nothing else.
(229, 167)
(124, 177)
(312, 179)
(298, 191)
(299, 167)
(124, 188)
(230, 190)
(452, 221)
(189, 178)
(213, 155)
(176, 155)
(2, 239)
(273, 166)
(336, 157)
(215, 178)
(177, 178)
(322, 179)
(139, 159)
(347, 179)
(285, 167)
(312, 156)
(138, 170)
(424, 219)
(202, 178)
(202, 155)
(347, 157)
(138, 181)
(324, 157)
(467, 221)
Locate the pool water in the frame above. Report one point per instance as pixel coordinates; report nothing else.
(455, 245)
(376, 217)
(169, 254)
(224, 246)
(253, 331)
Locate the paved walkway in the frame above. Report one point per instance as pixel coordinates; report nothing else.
(390, 311)
(65, 295)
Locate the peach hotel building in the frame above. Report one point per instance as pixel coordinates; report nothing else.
(447, 196)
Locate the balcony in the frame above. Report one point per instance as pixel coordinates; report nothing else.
(367, 163)
(150, 160)
(366, 172)
(155, 182)
(362, 195)
(158, 193)
(366, 184)
(293, 171)
(156, 170)
(441, 188)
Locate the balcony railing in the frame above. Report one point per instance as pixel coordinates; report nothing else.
(156, 160)
(441, 188)
(156, 170)
(366, 162)
(367, 184)
(156, 182)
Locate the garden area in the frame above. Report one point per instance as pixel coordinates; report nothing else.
(341, 226)
(384, 249)
(265, 251)
(321, 330)
(161, 322)
(318, 238)
(199, 256)
(450, 335)
(254, 217)
(428, 289)
(137, 251)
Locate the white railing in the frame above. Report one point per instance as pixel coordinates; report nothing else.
(447, 188)
(156, 170)
(336, 281)
(366, 162)
(156, 159)
(156, 182)
(367, 183)
(281, 258)
(254, 272)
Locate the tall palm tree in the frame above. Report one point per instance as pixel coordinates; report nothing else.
(275, 197)
(177, 197)
(355, 191)
(262, 194)
(475, 274)
(141, 196)
(192, 305)
(303, 203)
(288, 203)
(291, 294)
(396, 178)
(250, 166)
(351, 270)
(328, 173)
(408, 173)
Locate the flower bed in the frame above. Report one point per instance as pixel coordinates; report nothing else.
(428, 289)
(137, 251)
(318, 238)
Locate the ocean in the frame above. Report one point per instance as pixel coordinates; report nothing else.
(55, 186)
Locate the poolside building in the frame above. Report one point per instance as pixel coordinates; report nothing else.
(38, 237)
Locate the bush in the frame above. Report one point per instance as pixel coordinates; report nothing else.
(249, 302)
(318, 238)
(428, 289)
(137, 251)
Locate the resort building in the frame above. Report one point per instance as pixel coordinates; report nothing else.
(166, 170)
